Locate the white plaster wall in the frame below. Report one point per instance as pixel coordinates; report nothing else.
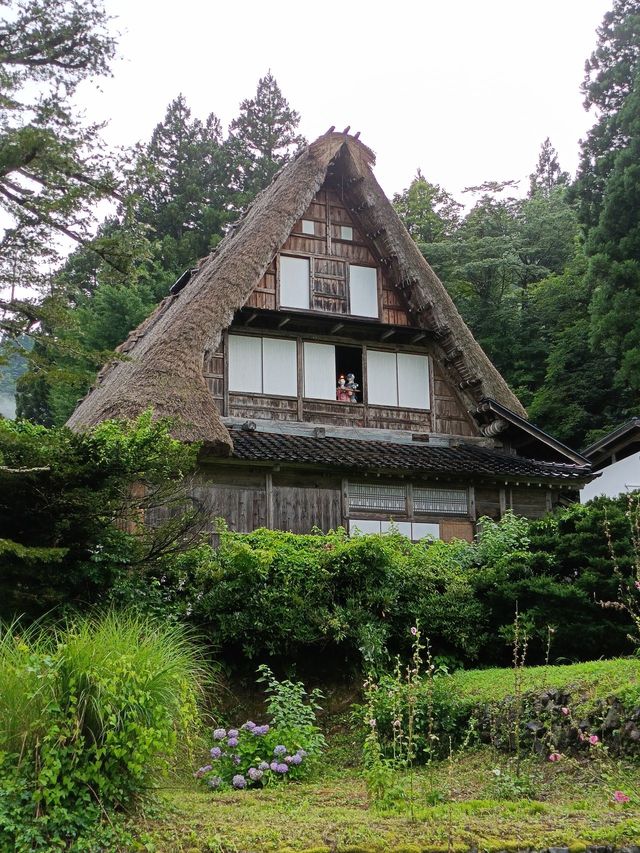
(622, 476)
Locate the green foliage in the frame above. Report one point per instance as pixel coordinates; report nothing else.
(61, 497)
(296, 597)
(262, 138)
(92, 715)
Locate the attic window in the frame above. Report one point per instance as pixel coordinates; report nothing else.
(346, 232)
(308, 226)
(295, 277)
(363, 291)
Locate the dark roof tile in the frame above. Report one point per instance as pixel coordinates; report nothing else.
(347, 453)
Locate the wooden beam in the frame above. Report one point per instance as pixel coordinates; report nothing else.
(334, 329)
(420, 336)
(251, 318)
(284, 322)
(387, 334)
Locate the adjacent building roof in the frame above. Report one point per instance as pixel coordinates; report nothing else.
(351, 454)
(615, 445)
(161, 366)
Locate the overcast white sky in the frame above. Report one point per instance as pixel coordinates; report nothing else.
(464, 89)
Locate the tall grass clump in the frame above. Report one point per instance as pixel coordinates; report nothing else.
(92, 713)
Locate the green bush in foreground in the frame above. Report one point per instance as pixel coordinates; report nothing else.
(90, 715)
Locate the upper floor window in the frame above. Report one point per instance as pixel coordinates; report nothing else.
(398, 379)
(263, 365)
(332, 285)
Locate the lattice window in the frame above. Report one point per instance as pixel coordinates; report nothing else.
(441, 501)
(377, 498)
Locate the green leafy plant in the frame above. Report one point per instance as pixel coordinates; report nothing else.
(92, 714)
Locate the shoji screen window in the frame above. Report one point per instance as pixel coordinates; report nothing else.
(295, 281)
(263, 365)
(398, 379)
(363, 291)
(319, 371)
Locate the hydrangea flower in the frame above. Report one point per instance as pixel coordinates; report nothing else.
(302, 753)
(236, 759)
(233, 741)
(280, 750)
(260, 730)
(219, 734)
(282, 768)
(214, 781)
(295, 759)
(594, 739)
(255, 774)
(274, 766)
(215, 752)
(249, 725)
(621, 797)
(239, 781)
(202, 770)
(264, 765)
(233, 733)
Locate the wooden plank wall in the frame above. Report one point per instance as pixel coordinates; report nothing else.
(449, 415)
(213, 372)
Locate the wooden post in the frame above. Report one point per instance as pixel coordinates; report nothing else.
(268, 477)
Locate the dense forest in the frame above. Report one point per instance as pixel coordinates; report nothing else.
(549, 283)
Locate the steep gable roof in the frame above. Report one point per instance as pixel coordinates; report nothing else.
(162, 367)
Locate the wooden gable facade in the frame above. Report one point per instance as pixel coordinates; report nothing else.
(319, 287)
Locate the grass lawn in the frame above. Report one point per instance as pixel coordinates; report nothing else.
(573, 806)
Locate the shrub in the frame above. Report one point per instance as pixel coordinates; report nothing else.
(256, 755)
(90, 715)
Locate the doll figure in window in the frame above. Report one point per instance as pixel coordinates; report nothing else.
(353, 387)
(343, 394)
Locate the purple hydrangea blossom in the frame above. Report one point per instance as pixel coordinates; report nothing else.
(274, 766)
(282, 768)
(233, 741)
(260, 730)
(239, 781)
(302, 753)
(264, 765)
(280, 750)
(214, 781)
(202, 770)
(255, 774)
(233, 733)
(215, 752)
(249, 725)
(236, 759)
(294, 759)
(219, 734)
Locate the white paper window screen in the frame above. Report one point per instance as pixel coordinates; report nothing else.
(403, 527)
(363, 291)
(346, 232)
(382, 379)
(320, 371)
(294, 282)
(279, 367)
(378, 498)
(449, 501)
(413, 381)
(421, 530)
(413, 530)
(308, 226)
(245, 364)
(363, 525)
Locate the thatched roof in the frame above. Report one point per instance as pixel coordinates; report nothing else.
(162, 368)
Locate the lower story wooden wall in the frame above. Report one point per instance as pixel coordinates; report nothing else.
(300, 501)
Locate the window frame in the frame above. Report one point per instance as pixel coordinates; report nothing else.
(261, 393)
(396, 353)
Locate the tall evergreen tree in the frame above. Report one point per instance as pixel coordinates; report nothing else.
(262, 138)
(429, 213)
(610, 73)
(548, 175)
